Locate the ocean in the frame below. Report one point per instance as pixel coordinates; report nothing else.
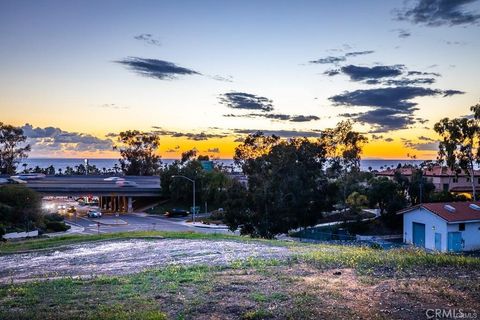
(62, 163)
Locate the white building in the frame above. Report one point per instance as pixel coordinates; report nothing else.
(444, 227)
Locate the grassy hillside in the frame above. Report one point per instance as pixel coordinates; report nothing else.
(319, 281)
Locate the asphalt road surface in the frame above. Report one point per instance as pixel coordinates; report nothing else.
(136, 222)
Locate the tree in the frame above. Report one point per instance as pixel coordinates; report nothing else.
(419, 189)
(287, 187)
(343, 147)
(20, 207)
(139, 152)
(387, 195)
(460, 147)
(12, 148)
(356, 201)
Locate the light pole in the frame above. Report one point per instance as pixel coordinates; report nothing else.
(192, 181)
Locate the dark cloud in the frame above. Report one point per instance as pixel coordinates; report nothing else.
(213, 150)
(376, 137)
(420, 73)
(275, 116)
(407, 82)
(242, 100)
(389, 139)
(148, 39)
(197, 136)
(436, 13)
(302, 118)
(332, 72)
(189, 135)
(423, 138)
(358, 53)
(425, 146)
(391, 108)
(448, 93)
(154, 68)
(281, 133)
(357, 73)
(55, 139)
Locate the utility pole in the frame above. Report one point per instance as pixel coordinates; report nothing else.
(192, 181)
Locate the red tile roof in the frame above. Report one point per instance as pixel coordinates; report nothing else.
(435, 171)
(463, 211)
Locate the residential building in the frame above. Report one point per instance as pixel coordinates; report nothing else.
(443, 227)
(443, 178)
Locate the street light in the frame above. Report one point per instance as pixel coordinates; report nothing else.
(192, 181)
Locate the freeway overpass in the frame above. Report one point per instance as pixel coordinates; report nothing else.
(112, 197)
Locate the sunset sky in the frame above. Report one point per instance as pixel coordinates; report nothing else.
(205, 73)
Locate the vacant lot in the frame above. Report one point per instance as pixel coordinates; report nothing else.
(128, 256)
(217, 277)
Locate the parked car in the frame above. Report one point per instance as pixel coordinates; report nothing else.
(71, 209)
(126, 183)
(61, 208)
(94, 213)
(3, 181)
(113, 179)
(176, 212)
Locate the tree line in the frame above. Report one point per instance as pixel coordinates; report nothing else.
(291, 182)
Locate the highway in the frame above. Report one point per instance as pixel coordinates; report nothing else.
(147, 186)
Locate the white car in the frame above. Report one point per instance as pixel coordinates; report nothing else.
(113, 179)
(126, 183)
(29, 176)
(94, 214)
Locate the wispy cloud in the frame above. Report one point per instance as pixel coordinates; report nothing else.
(434, 13)
(281, 133)
(276, 116)
(342, 58)
(402, 33)
(112, 106)
(196, 136)
(147, 38)
(153, 68)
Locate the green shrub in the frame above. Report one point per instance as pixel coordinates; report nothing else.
(56, 226)
(53, 217)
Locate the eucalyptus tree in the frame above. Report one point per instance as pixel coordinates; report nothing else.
(139, 152)
(13, 148)
(460, 144)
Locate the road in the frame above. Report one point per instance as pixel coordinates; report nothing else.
(138, 222)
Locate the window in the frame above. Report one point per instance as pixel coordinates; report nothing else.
(461, 227)
(446, 187)
(468, 179)
(478, 181)
(455, 180)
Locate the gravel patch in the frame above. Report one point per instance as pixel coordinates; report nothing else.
(129, 256)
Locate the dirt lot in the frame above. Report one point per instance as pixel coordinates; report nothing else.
(228, 279)
(129, 256)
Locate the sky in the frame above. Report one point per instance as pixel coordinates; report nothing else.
(203, 74)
